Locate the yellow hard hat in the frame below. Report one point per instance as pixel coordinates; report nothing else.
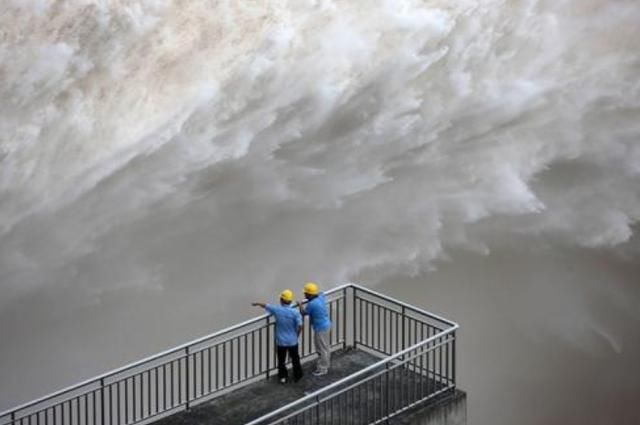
(287, 295)
(311, 288)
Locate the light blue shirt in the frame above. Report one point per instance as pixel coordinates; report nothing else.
(318, 314)
(288, 320)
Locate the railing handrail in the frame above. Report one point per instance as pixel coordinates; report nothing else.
(210, 340)
(350, 377)
(138, 363)
(400, 303)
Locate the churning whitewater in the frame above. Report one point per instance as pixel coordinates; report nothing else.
(382, 133)
(175, 154)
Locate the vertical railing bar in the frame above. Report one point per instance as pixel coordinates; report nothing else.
(117, 414)
(187, 377)
(246, 356)
(375, 332)
(194, 375)
(95, 407)
(268, 346)
(202, 372)
(403, 329)
(336, 314)
(392, 335)
(217, 368)
(446, 363)
(224, 364)
(133, 398)
(387, 389)
(337, 322)
(102, 397)
(260, 356)
(137, 408)
(192, 370)
(126, 401)
(415, 334)
(367, 321)
(375, 399)
(232, 365)
(360, 409)
(424, 375)
(427, 355)
(165, 390)
(86, 410)
(440, 363)
(415, 372)
(353, 317)
(453, 358)
(344, 318)
(209, 370)
(157, 390)
(238, 364)
(360, 321)
(387, 348)
(254, 359)
(372, 318)
(172, 385)
(148, 393)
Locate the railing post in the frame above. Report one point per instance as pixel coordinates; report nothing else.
(187, 382)
(453, 358)
(386, 399)
(268, 342)
(13, 417)
(404, 319)
(102, 402)
(344, 318)
(317, 409)
(353, 316)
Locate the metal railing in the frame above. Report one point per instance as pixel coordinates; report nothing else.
(419, 365)
(417, 344)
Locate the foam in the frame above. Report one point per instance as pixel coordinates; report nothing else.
(346, 135)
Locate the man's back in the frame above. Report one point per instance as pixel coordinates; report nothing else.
(288, 320)
(318, 314)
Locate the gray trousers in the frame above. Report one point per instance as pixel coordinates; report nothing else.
(321, 343)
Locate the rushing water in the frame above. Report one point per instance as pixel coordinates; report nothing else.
(164, 162)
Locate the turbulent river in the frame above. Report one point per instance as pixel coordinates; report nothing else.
(164, 162)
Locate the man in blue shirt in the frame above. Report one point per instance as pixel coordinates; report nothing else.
(316, 309)
(288, 328)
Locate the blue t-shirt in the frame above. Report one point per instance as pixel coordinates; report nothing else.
(287, 321)
(318, 314)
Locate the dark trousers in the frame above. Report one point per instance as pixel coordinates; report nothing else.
(295, 360)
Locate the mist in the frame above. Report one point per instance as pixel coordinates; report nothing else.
(164, 163)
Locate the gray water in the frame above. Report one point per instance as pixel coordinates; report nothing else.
(548, 336)
(164, 163)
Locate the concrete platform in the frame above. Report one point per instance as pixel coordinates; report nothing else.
(250, 402)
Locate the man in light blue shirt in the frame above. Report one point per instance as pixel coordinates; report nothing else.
(316, 309)
(288, 328)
